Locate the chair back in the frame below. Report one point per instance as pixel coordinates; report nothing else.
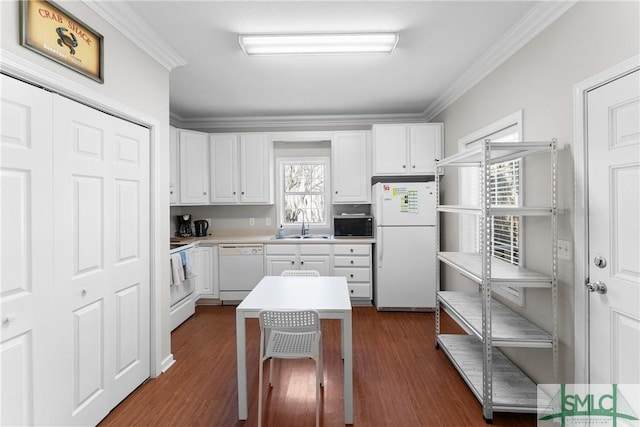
(290, 320)
(301, 273)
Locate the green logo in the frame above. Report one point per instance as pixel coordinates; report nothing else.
(589, 404)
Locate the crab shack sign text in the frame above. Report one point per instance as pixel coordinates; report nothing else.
(58, 35)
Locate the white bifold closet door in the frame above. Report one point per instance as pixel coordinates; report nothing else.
(75, 259)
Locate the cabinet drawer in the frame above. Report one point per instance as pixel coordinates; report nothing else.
(354, 274)
(352, 249)
(281, 249)
(360, 290)
(353, 261)
(312, 249)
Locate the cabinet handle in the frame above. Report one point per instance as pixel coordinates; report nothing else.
(170, 192)
(301, 262)
(351, 290)
(351, 262)
(351, 250)
(351, 275)
(205, 193)
(404, 166)
(242, 193)
(414, 166)
(336, 191)
(293, 262)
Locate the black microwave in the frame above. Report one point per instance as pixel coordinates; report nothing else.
(345, 226)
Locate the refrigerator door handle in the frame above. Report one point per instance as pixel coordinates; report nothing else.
(380, 245)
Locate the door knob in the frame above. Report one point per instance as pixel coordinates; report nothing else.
(598, 287)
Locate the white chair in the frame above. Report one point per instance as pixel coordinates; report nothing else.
(300, 273)
(288, 334)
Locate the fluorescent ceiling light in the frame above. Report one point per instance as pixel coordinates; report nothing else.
(318, 44)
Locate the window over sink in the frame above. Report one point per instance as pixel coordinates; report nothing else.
(304, 191)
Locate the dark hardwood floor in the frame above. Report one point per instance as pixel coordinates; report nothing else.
(400, 378)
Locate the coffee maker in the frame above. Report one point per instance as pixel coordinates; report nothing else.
(184, 226)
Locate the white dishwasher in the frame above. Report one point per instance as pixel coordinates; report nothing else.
(241, 267)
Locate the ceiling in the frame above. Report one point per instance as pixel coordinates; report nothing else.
(444, 48)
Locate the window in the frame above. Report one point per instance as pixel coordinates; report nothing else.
(304, 191)
(505, 191)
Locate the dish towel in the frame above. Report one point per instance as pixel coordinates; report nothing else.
(177, 270)
(187, 262)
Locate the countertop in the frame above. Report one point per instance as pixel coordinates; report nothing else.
(267, 239)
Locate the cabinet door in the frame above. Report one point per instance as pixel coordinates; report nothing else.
(389, 149)
(204, 270)
(277, 264)
(174, 187)
(194, 167)
(322, 264)
(256, 181)
(425, 146)
(349, 164)
(224, 171)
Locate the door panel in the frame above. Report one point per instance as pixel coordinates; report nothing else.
(26, 262)
(613, 133)
(102, 264)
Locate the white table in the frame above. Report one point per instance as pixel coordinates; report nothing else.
(328, 295)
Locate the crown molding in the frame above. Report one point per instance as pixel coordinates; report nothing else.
(302, 121)
(129, 23)
(537, 19)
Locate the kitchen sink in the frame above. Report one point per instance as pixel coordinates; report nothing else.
(300, 237)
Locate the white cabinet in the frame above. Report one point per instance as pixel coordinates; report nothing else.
(406, 149)
(354, 263)
(194, 167)
(350, 159)
(242, 169)
(298, 257)
(174, 170)
(204, 263)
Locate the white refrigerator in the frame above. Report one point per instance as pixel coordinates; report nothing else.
(405, 249)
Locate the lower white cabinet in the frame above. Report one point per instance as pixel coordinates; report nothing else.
(354, 263)
(298, 257)
(204, 263)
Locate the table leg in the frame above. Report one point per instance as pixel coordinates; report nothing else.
(348, 368)
(241, 356)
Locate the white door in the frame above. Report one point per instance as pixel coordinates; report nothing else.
(255, 171)
(405, 267)
(26, 260)
(349, 168)
(194, 167)
(425, 141)
(101, 258)
(613, 144)
(224, 168)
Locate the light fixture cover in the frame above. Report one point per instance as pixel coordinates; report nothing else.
(318, 44)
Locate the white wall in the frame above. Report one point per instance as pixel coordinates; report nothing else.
(539, 79)
(131, 79)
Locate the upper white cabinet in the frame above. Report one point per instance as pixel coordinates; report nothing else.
(350, 160)
(241, 169)
(406, 149)
(174, 171)
(194, 167)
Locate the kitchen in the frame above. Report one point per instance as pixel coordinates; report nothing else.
(538, 75)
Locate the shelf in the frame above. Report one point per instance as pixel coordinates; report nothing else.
(513, 391)
(502, 273)
(497, 210)
(499, 152)
(508, 328)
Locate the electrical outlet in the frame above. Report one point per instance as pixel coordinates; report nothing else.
(252, 222)
(564, 250)
(267, 222)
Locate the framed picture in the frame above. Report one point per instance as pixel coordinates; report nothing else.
(58, 35)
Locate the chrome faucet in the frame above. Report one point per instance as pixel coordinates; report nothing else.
(305, 228)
